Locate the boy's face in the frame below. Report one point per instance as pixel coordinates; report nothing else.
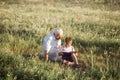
(69, 43)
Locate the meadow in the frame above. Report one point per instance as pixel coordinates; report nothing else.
(94, 28)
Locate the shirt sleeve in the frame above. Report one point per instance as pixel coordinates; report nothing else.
(73, 49)
(47, 44)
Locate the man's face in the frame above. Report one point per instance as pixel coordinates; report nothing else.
(58, 36)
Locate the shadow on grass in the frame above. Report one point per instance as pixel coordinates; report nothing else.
(100, 46)
(107, 30)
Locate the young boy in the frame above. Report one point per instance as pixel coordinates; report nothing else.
(68, 53)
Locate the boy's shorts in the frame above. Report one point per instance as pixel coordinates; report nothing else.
(67, 56)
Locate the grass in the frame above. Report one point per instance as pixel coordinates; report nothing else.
(95, 31)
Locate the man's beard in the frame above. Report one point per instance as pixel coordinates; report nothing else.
(57, 38)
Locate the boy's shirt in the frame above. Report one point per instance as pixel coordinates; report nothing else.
(67, 49)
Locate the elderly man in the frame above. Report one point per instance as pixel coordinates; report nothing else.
(51, 45)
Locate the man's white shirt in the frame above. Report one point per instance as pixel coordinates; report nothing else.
(51, 44)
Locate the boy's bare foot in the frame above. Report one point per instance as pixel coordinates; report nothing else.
(64, 61)
(69, 63)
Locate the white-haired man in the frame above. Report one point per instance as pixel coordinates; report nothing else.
(51, 45)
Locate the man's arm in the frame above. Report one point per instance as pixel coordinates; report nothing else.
(60, 53)
(46, 55)
(47, 47)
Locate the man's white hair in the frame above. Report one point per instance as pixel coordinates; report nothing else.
(58, 31)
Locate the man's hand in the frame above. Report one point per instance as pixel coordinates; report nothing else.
(60, 53)
(46, 55)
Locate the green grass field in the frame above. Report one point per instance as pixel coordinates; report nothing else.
(95, 29)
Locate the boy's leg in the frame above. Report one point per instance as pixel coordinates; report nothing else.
(74, 58)
(75, 61)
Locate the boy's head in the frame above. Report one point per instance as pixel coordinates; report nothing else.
(68, 40)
